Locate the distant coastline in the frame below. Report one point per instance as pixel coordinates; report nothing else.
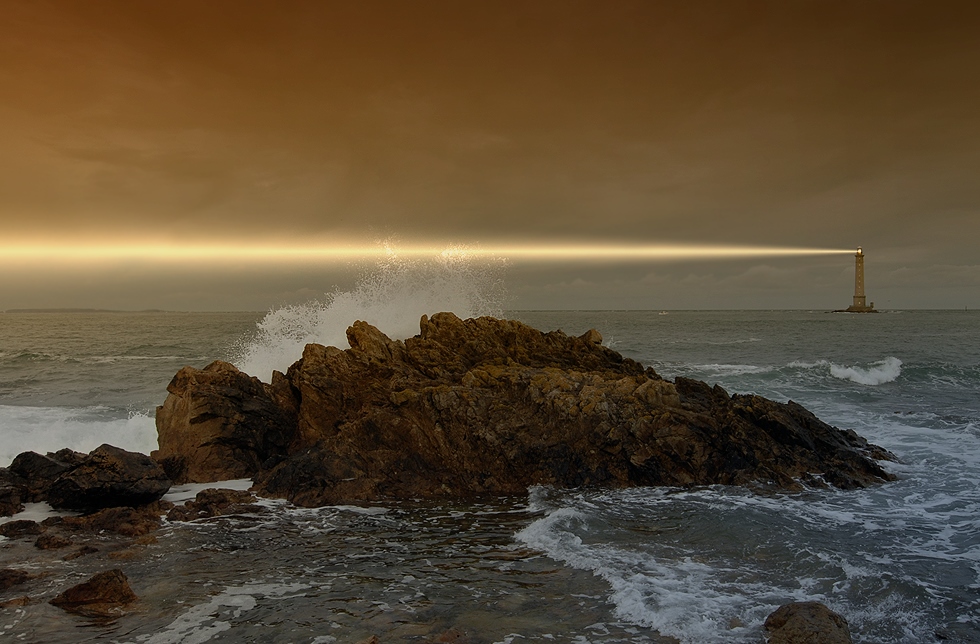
(69, 310)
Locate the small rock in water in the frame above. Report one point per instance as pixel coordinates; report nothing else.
(81, 552)
(21, 528)
(216, 502)
(10, 577)
(807, 623)
(103, 596)
(51, 542)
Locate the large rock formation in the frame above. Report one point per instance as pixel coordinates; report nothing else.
(486, 406)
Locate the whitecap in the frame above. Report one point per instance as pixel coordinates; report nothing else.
(878, 373)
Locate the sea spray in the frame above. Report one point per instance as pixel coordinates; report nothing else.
(392, 297)
(879, 373)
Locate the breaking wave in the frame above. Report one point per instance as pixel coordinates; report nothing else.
(393, 297)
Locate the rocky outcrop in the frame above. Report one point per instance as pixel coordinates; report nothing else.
(487, 406)
(106, 477)
(222, 423)
(806, 623)
(109, 477)
(104, 596)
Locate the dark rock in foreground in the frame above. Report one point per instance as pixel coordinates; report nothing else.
(487, 406)
(806, 623)
(106, 477)
(103, 596)
(109, 477)
(10, 577)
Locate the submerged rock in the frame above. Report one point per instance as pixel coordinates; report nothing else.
(216, 502)
(487, 406)
(10, 577)
(806, 623)
(103, 596)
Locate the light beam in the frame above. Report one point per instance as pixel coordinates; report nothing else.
(286, 253)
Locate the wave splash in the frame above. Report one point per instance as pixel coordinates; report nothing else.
(877, 373)
(393, 297)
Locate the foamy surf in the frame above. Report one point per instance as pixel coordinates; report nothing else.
(877, 373)
(393, 297)
(48, 429)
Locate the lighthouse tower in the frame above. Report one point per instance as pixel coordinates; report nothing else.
(860, 304)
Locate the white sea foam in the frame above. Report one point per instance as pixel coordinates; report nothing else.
(204, 621)
(877, 373)
(393, 298)
(682, 598)
(46, 429)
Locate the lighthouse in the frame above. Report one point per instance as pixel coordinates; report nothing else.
(860, 304)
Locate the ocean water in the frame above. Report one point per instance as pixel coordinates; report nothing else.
(900, 561)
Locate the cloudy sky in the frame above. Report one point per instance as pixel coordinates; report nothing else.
(798, 123)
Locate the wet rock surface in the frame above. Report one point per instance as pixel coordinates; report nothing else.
(806, 623)
(104, 596)
(487, 406)
(10, 577)
(109, 477)
(214, 502)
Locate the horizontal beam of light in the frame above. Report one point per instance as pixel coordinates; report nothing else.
(292, 253)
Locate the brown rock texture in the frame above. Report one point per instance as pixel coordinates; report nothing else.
(218, 419)
(806, 623)
(21, 528)
(10, 577)
(108, 477)
(216, 502)
(103, 596)
(487, 406)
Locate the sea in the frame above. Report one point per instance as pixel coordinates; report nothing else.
(900, 561)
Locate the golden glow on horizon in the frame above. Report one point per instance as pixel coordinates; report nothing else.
(65, 252)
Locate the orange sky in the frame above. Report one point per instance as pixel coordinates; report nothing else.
(783, 123)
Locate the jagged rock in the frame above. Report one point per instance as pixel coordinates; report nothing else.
(215, 502)
(10, 577)
(109, 477)
(21, 528)
(103, 596)
(488, 406)
(806, 623)
(11, 499)
(223, 424)
(37, 472)
(51, 542)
